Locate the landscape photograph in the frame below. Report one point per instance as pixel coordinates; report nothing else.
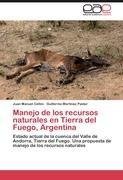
(61, 60)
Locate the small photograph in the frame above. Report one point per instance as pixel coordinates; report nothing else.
(61, 60)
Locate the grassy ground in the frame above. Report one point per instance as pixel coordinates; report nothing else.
(72, 38)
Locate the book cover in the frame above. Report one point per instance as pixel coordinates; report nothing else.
(61, 90)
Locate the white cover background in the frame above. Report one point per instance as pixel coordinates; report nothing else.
(110, 121)
(95, 156)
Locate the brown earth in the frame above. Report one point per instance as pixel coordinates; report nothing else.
(72, 38)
